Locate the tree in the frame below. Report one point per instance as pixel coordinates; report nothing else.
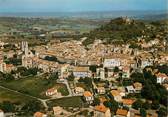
(134, 45)
(163, 100)
(138, 77)
(96, 101)
(107, 104)
(14, 61)
(146, 105)
(162, 112)
(1, 75)
(148, 75)
(21, 69)
(33, 71)
(7, 106)
(8, 77)
(155, 105)
(149, 91)
(137, 104)
(93, 68)
(51, 58)
(116, 69)
(163, 94)
(112, 104)
(53, 76)
(163, 69)
(71, 77)
(143, 112)
(32, 106)
(92, 114)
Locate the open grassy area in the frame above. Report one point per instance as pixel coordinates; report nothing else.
(13, 97)
(67, 102)
(34, 86)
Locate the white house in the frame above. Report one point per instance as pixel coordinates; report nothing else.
(2, 66)
(88, 97)
(161, 77)
(146, 62)
(2, 113)
(101, 90)
(130, 89)
(112, 62)
(79, 90)
(100, 73)
(51, 92)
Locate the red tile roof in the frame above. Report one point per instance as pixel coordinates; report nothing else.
(122, 112)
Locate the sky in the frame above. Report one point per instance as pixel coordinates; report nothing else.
(80, 5)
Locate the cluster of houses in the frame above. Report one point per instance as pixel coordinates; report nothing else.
(109, 60)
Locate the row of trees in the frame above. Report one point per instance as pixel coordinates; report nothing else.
(21, 70)
(6, 76)
(22, 109)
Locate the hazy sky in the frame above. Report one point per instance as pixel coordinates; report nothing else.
(80, 5)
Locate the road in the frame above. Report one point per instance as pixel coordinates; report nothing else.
(68, 87)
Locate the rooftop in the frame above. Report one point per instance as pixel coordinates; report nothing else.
(115, 93)
(81, 69)
(122, 112)
(137, 84)
(101, 108)
(39, 114)
(161, 75)
(87, 94)
(128, 101)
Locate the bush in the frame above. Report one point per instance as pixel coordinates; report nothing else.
(7, 106)
(162, 112)
(137, 104)
(143, 112)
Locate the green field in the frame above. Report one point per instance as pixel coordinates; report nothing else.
(67, 102)
(34, 86)
(13, 97)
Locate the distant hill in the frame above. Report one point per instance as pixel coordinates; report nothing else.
(123, 30)
(118, 29)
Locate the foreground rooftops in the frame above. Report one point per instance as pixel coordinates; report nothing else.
(161, 75)
(87, 94)
(128, 101)
(115, 93)
(101, 108)
(39, 114)
(122, 112)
